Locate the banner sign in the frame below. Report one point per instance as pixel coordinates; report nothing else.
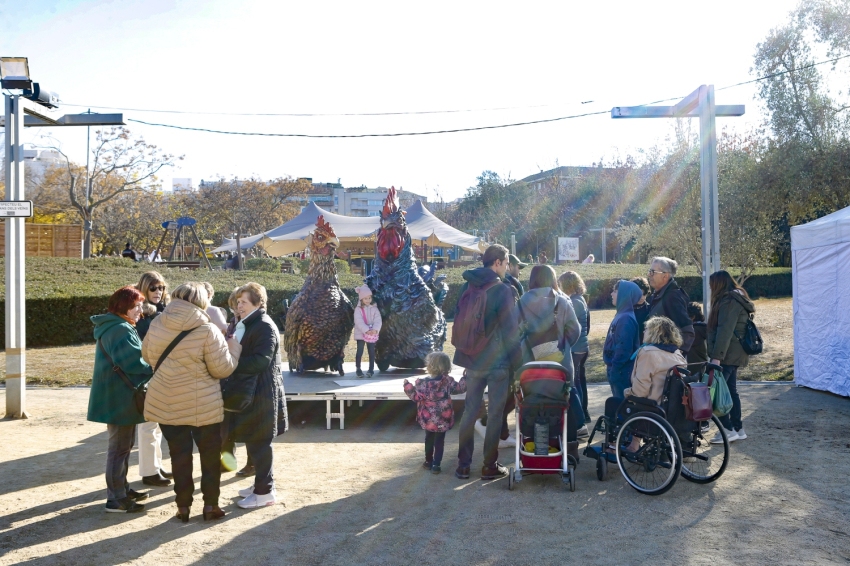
(568, 249)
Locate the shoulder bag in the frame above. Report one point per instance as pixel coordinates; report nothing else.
(371, 338)
(751, 341)
(697, 400)
(141, 391)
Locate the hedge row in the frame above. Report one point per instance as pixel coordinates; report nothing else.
(62, 294)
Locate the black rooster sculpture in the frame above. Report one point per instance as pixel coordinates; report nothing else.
(413, 325)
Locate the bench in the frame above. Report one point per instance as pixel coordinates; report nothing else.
(286, 267)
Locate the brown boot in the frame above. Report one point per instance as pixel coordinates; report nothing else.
(572, 450)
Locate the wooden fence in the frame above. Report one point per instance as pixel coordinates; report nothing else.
(51, 240)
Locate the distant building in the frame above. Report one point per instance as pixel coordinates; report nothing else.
(564, 175)
(355, 201)
(181, 185)
(38, 161)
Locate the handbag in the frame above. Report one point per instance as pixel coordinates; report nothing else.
(140, 392)
(697, 401)
(370, 338)
(751, 341)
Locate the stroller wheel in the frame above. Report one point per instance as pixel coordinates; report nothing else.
(602, 468)
(511, 478)
(569, 477)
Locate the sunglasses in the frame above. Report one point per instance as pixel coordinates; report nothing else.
(158, 288)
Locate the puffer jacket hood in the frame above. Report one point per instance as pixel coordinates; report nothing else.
(103, 323)
(182, 315)
(480, 276)
(628, 295)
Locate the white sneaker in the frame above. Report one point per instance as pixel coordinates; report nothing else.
(741, 434)
(509, 442)
(582, 432)
(731, 436)
(253, 501)
(246, 492)
(480, 428)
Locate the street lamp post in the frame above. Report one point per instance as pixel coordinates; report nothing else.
(33, 108)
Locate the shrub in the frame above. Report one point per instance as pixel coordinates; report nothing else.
(62, 293)
(262, 264)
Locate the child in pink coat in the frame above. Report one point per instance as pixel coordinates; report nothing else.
(434, 411)
(367, 326)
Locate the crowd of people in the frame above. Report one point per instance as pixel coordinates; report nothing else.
(170, 365)
(213, 382)
(655, 328)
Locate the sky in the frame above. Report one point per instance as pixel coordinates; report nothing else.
(481, 63)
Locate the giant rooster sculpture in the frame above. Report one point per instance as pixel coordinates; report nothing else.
(320, 320)
(413, 326)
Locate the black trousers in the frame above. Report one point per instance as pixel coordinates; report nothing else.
(434, 444)
(510, 405)
(359, 356)
(580, 377)
(261, 455)
(208, 439)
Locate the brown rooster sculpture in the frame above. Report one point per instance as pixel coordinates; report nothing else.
(413, 325)
(320, 320)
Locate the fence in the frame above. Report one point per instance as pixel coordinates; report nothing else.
(52, 240)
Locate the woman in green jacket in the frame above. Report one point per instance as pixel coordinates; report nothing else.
(111, 399)
(731, 307)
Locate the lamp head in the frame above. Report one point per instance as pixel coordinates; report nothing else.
(15, 73)
(41, 96)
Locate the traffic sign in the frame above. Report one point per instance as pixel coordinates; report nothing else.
(15, 209)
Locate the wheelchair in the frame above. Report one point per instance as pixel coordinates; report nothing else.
(669, 444)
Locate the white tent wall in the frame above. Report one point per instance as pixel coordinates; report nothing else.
(821, 289)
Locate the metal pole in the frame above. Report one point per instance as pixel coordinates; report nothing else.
(513, 243)
(708, 190)
(604, 245)
(16, 392)
(88, 154)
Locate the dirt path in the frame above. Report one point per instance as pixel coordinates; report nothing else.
(359, 496)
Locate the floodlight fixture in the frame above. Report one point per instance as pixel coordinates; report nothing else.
(15, 73)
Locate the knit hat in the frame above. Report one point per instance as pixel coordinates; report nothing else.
(363, 291)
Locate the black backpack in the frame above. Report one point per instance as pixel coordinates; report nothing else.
(751, 341)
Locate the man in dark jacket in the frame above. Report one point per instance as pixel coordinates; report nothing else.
(512, 274)
(491, 367)
(670, 300)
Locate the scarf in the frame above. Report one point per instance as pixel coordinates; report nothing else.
(130, 320)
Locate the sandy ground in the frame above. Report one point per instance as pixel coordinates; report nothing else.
(359, 496)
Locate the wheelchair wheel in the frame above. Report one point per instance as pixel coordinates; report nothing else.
(654, 467)
(602, 467)
(702, 461)
(511, 478)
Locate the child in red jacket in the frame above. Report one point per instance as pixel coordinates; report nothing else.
(434, 411)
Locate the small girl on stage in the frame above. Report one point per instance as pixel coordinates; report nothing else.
(434, 411)
(367, 326)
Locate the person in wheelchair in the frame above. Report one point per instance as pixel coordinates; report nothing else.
(659, 352)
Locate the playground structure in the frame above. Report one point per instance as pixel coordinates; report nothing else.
(179, 238)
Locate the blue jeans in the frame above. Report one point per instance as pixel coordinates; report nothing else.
(118, 449)
(496, 382)
(732, 421)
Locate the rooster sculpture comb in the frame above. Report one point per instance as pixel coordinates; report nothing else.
(325, 227)
(391, 204)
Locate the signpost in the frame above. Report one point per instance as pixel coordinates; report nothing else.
(567, 249)
(698, 104)
(15, 209)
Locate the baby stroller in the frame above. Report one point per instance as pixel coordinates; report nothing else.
(542, 400)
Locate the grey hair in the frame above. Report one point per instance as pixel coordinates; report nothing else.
(662, 330)
(192, 292)
(668, 264)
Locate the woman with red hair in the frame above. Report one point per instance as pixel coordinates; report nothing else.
(118, 351)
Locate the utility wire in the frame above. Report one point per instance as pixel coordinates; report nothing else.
(433, 132)
(398, 134)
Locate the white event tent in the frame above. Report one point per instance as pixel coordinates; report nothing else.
(289, 237)
(821, 287)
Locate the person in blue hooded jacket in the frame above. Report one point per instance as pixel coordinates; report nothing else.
(623, 337)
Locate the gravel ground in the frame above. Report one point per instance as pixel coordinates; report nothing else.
(360, 496)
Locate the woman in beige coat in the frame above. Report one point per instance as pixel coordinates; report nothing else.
(184, 396)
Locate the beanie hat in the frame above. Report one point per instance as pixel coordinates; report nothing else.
(363, 291)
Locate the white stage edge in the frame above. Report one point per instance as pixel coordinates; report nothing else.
(330, 386)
